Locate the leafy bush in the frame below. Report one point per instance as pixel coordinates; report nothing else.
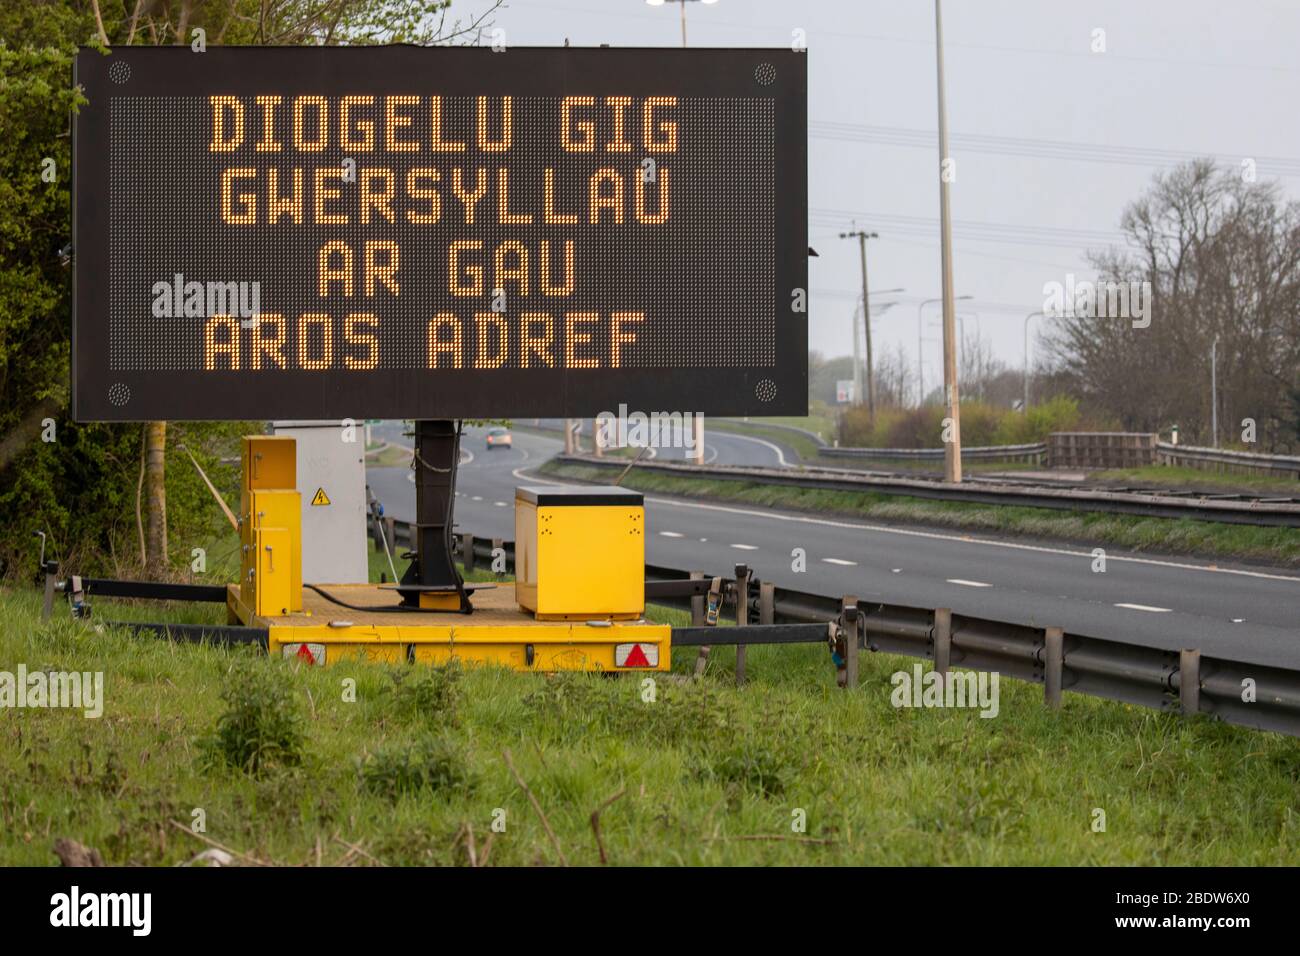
(981, 424)
(1058, 414)
(752, 766)
(431, 695)
(262, 726)
(427, 764)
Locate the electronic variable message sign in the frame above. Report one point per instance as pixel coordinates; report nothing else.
(414, 232)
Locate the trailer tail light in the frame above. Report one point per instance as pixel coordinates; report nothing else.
(309, 654)
(636, 655)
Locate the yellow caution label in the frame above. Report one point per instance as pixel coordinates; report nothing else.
(320, 498)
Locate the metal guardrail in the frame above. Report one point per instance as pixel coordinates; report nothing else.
(1230, 509)
(1236, 692)
(1035, 451)
(1185, 454)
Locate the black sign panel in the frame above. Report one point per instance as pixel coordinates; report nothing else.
(321, 233)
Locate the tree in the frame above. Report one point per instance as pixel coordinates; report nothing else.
(1222, 257)
(77, 486)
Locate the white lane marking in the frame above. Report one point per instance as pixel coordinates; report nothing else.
(466, 456)
(962, 539)
(524, 452)
(969, 584)
(743, 547)
(672, 534)
(476, 498)
(849, 564)
(499, 504)
(410, 476)
(780, 456)
(1145, 607)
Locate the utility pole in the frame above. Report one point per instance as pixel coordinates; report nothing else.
(857, 354)
(862, 236)
(951, 449)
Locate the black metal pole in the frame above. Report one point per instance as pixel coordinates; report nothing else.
(433, 566)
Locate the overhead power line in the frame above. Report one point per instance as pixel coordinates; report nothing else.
(927, 226)
(1046, 148)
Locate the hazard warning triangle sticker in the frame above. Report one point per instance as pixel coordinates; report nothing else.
(636, 657)
(320, 498)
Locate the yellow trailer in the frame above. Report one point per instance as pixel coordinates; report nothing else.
(580, 603)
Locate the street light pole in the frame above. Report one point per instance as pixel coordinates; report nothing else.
(698, 419)
(952, 448)
(682, 5)
(1031, 315)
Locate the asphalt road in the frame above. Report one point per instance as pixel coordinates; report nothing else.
(1245, 612)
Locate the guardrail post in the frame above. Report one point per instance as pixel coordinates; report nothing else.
(697, 602)
(1053, 665)
(849, 629)
(1189, 681)
(742, 616)
(467, 551)
(942, 640)
(766, 602)
(698, 620)
(390, 529)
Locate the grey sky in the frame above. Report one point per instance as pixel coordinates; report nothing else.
(1178, 77)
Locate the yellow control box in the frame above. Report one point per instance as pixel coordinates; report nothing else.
(580, 552)
(269, 462)
(263, 515)
(270, 526)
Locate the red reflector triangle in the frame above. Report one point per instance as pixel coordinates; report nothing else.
(304, 653)
(636, 657)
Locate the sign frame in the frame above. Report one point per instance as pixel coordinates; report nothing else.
(102, 394)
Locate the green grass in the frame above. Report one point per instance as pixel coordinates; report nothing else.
(1167, 476)
(1275, 546)
(803, 445)
(809, 452)
(708, 773)
(388, 456)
